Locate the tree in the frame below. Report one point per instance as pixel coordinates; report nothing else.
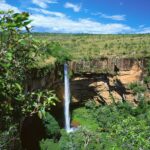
(18, 51)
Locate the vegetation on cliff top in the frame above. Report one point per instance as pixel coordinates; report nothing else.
(85, 46)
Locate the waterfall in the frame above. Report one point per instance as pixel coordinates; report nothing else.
(67, 101)
(67, 98)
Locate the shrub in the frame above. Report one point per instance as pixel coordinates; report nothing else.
(90, 104)
(80, 139)
(51, 126)
(55, 49)
(147, 78)
(10, 139)
(49, 144)
(121, 126)
(137, 88)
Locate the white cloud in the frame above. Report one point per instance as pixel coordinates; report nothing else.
(4, 6)
(43, 3)
(49, 21)
(67, 25)
(75, 7)
(46, 12)
(144, 30)
(113, 17)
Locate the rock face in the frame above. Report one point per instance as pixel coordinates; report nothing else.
(102, 88)
(107, 65)
(103, 80)
(36, 81)
(133, 75)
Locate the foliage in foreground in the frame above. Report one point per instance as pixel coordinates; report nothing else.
(9, 139)
(19, 52)
(51, 126)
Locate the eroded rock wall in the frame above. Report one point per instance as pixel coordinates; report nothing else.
(107, 65)
(101, 79)
(106, 79)
(102, 88)
(37, 79)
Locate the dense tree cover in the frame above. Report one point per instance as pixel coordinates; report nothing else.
(118, 126)
(19, 52)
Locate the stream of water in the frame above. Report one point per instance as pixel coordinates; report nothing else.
(67, 98)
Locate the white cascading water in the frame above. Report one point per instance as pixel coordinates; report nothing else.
(67, 98)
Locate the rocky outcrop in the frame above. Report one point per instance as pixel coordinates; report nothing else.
(106, 65)
(102, 88)
(106, 79)
(103, 80)
(135, 74)
(38, 79)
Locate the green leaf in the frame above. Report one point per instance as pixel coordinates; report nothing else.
(18, 86)
(27, 22)
(40, 114)
(9, 56)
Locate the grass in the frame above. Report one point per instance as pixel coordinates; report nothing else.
(86, 47)
(85, 118)
(41, 63)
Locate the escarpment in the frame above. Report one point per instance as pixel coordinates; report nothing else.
(101, 79)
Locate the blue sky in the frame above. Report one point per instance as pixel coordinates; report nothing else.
(85, 16)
